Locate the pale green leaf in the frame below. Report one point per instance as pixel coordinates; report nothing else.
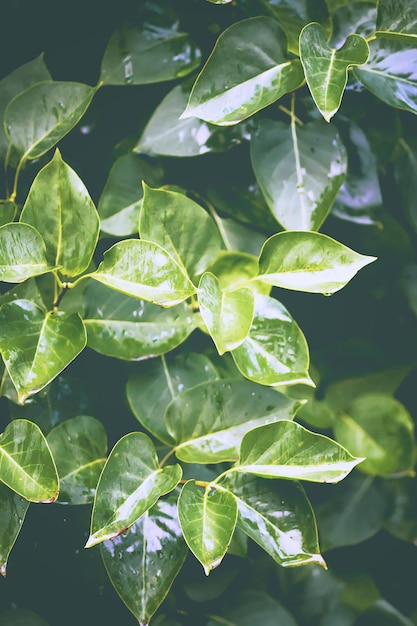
(22, 253)
(238, 269)
(397, 18)
(13, 509)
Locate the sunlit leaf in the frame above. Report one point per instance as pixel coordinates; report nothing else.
(60, 208)
(143, 564)
(13, 509)
(207, 422)
(36, 346)
(144, 270)
(238, 269)
(287, 450)
(130, 484)
(22, 253)
(326, 69)
(247, 70)
(79, 471)
(26, 463)
(208, 520)
(397, 18)
(309, 262)
(300, 170)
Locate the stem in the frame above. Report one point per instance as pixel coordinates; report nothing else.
(168, 377)
(6, 165)
(166, 457)
(16, 178)
(291, 114)
(220, 226)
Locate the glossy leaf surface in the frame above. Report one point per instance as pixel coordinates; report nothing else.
(396, 19)
(78, 471)
(154, 384)
(36, 346)
(13, 509)
(22, 253)
(60, 208)
(26, 463)
(326, 69)
(208, 520)
(181, 227)
(309, 262)
(275, 351)
(144, 270)
(278, 517)
(299, 170)
(247, 70)
(130, 484)
(143, 564)
(43, 114)
(208, 421)
(127, 328)
(287, 450)
(227, 314)
(237, 269)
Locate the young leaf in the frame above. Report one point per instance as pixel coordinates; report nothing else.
(181, 227)
(143, 564)
(278, 518)
(144, 270)
(132, 329)
(79, 471)
(60, 208)
(26, 463)
(43, 114)
(309, 262)
(155, 383)
(238, 269)
(326, 69)
(22, 253)
(227, 314)
(208, 521)
(130, 484)
(36, 346)
(208, 421)
(13, 509)
(397, 19)
(275, 351)
(247, 70)
(299, 170)
(287, 450)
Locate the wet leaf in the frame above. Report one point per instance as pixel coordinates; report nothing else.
(237, 269)
(22, 253)
(79, 471)
(207, 422)
(143, 564)
(287, 450)
(299, 170)
(208, 520)
(26, 463)
(13, 509)
(36, 346)
(60, 208)
(397, 18)
(130, 484)
(309, 262)
(247, 70)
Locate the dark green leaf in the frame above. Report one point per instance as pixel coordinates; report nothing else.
(397, 18)
(382, 613)
(21, 617)
(13, 509)
(22, 253)
(8, 210)
(357, 17)
(252, 605)
(406, 176)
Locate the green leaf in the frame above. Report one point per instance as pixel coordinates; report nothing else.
(144, 270)
(208, 521)
(43, 114)
(143, 564)
(121, 199)
(21, 617)
(79, 471)
(309, 262)
(152, 387)
(8, 210)
(181, 227)
(380, 428)
(238, 269)
(251, 605)
(326, 69)
(287, 450)
(275, 351)
(248, 70)
(23, 77)
(406, 177)
(36, 346)
(149, 55)
(130, 484)
(357, 17)
(390, 73)
(207, 422)
(397, 18)
(26, 463)
(278, 518)
(60, 208)
(127, 328)
(22, 253)
(227, 314)
(13, 509)
(299, 170)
